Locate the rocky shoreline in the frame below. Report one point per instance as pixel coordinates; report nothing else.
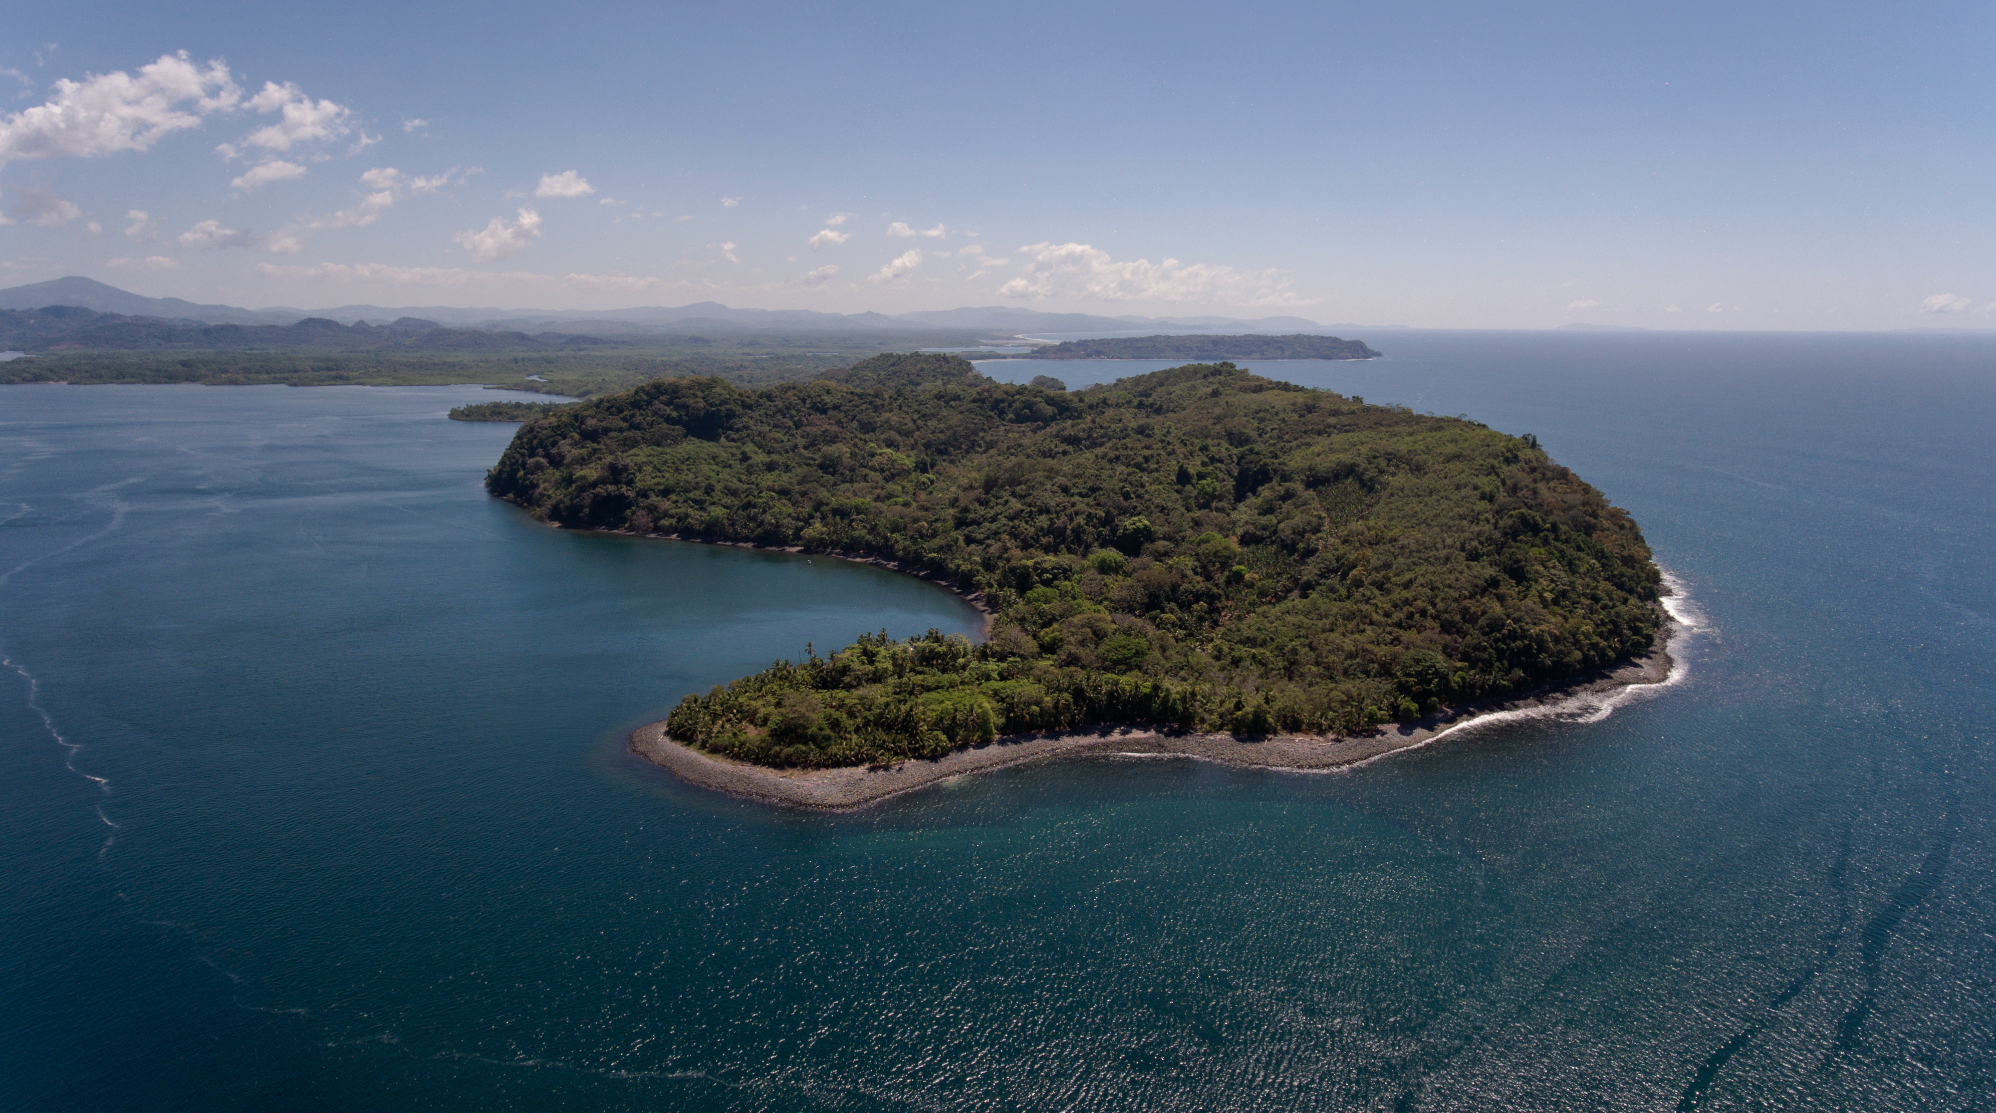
(858, 786)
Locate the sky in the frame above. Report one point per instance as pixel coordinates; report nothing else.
(1691, 165)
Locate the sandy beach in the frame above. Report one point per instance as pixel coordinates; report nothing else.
(858, 786)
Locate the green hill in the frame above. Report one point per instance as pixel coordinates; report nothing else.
(1199, 547)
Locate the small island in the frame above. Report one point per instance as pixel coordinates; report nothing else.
(1207, 349)
(1200, 554)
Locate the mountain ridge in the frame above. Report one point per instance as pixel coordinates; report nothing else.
(88, 293)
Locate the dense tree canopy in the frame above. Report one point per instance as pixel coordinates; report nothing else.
(1199, 547)
(1301, 345)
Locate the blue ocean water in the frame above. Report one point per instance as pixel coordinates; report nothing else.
(313, 792)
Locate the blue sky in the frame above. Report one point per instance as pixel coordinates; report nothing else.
(1450, 165)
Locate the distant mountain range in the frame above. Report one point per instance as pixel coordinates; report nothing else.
(62, 327)
(702, 316)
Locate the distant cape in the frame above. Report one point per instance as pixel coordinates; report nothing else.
(1208, 349)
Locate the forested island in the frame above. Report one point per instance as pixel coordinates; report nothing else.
(1195, 549)
(1206, 349)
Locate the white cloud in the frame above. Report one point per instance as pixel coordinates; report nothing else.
(363, 143)
(728, 252)
(836, 219)
(1944, 303)
(386, 185)
(149, 263)
(1582, 303)
(210, 235)
(142, 224)
(1715, 307)
(684, 219)
(107, 113)
(822, 275)
(1672, 308)
(498, 239)
(899, 267)
(730, 202)
(1076, 270)
(300, 118)
(568, 183)
(410, 127)
(900, 230)
(93, 227)
(829, 236)
(39, 206)
(276, 170)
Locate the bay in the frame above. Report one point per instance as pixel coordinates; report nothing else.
(314, 795)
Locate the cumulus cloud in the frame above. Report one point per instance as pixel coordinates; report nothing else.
(822, 275)
(1582, 303)
(899, 267)
(836, 219)
(728, 252)
(568, 183)
(39, 206)
(1944, 303)
(829, 236)
(107, 113)
(410, 127)
(498, 239)
(1076, 270)
(730, 202)
(149, 263)
(300, 119)
(385, 185)
(900, 230)
(210, 235)
(142, 225)
(93, 227)
(276, 170)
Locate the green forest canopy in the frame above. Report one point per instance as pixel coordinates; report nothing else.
(1207, 348)
(1200, 547)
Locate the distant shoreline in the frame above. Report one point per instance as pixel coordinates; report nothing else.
(850, 787)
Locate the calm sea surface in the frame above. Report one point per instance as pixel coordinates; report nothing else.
(313, 792)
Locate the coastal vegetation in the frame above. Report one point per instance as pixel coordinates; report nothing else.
(505, 411)
(1201, 548)
(1205, 348)
(74, 345)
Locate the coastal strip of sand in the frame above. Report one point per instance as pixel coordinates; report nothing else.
(1586, 697)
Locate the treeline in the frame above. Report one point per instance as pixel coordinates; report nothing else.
(1200, 547)
(505, 411)
(570, 375)
(61, 327)
(1205, 349)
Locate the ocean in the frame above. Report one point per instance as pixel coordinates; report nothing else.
(313, 790)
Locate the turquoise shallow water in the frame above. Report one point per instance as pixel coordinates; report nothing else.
(313, 795)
